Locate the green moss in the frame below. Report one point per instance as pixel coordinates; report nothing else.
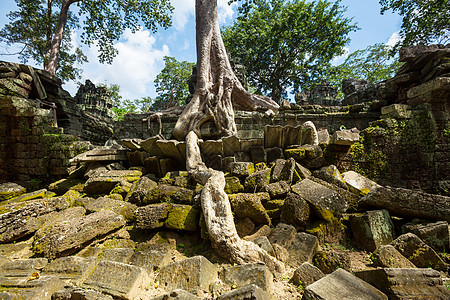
(183, 217)
(233, 185)
(296, 153)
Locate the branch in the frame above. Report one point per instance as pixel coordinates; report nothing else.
(20, 52)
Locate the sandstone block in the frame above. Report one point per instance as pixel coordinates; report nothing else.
(152, 259)
(388, 257)
(170, 149)
(211, 147)
(345, 137)
(278, 189)
(69, 292)
(150, 146)
(257, 181)
(192, 274)
(273, 136)
(242, 169)
(122, 208)
(170, 194)
(250, 291)
(139, 190)
(282, 234)
(233, 185)
(331, 260)
(435, 234)
(307, 274)
(72, 269)
(183, 217)
(122, 255)
(37, 288)
(249, 205)
(152, 216)
(118, 280)
(263, 243)
(341, 285)
(243, 275)
(177, 294)
(10, 190)
(302, 249)
(283, 170)
(231, 145)
(358, 183)
(295, 211)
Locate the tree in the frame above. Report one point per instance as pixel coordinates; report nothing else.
(373, 64)
(103, 23)
(287, 43)
(172, 83)
(423, 21)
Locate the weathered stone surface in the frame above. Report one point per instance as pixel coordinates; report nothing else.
(257, 181)
(273, 136)
(250, 291)
(307, 274)
(283, 170)
(372, 229)
(263, 243)
(39, 194)
(10, 190)
(72, 269)
(301, 172)
(435, 235)
(132, 144)
(183, 217)
(119, 207)
(331, 260)
(122, 255)
(242, 169)
(152, 258)
(140, 189)
(38, 288)
(103, 183)
(118, 279)
(408, 203)
(177, 294)
(170, 194)
(278, 189)
(244, 227)
(68, 237)
(358, 183)
(341, 285)
(101, 154)
(153, 166)
(419, 253)
(16, 271)
(274, 153)
(295, 211)
(192, 274)
(292, 135)
(435, 90)
(150, 146)
(211, 147)
(331, 175)
(345, 137)
(249, 205)
(396, 111)
(243, 275)
(324, 201)
(230, 145)
(407, 283)
(168, 164)
(263, 230)
(302, 249)
(388, 257)
(152, 216)
(23, 221)
(70, 292)
(233, 185)
(60, 187)
(282, 234)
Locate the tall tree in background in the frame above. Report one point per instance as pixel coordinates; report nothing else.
(172, 83)
(423, 21)
(104, 21)
(287, 43)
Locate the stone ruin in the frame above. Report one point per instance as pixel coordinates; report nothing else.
(357, 213)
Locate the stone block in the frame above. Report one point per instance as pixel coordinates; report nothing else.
(170, 149)
(168, 165)
(330, 260)
(283, 170)
(274, 153)
(16, 271)
(10, 190)
(396, 111)
(243, 275)
(342, 285)
(291, 135)
(249, 206)
(118, 280)
(388, 257)
(230, 145)
(150, 146)
(278, 189)
(402, 283)
(70, 235)
(307, 274)
(211, 147)
(226, 163)
(372, 229)
(435, 90)
(324, 201)
(324, 136)
(170, 194)
(256, 182)
(122, 208)
(153, 258)
(358, 183)
(295, 211)
(69, 292)
(177, 294)
(40, 288)
(273, 136)
(345, 137)
(257, 154)
(152, 216)
(139, 190)
(419, 253)
(233, 185)
(247, 144)
(183, 217)
(244, 227)
(331, 175)
(250, 291)
(122, 255)
(242, 169)
(282, 234)
(263, 243)
(435, 235)
(302, 249)
(71, 269)
(192, 275)
(136, 158)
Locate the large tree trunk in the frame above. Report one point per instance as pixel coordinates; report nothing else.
(218, 88)
(218, 216)
(51, 64)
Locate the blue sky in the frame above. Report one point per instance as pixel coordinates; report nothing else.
(141, 55)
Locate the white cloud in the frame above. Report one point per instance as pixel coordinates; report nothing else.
(341, 58)
(394, 39)
(133, 69)
(225, 11)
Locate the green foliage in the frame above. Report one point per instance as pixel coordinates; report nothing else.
(287, 43)
(31, 25)
(172, 83)
(34, 24)
(423, 21)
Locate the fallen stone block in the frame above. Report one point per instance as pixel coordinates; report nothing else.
(408, 203)
(183, 217)
(435, 235)
(307, 274)
(257, 181)
(291, 135)
(372, 229)
(277, 189)
(10, 190)
(132, 144)
(152, 216)
(331, 260)
(242, 169)
(170, 194)
(177, 294)
(273, 136)
(122, 255)
(37, 287)
(101, 154)
(345, 137)
(282, 234)
(302, 249)
(358, 183)
(412, 284)
(341, 285)
(283, 170)
(192, 274)
(233, 185)
(249, 206)
(295, 211)
(122, 208)
(149, 145)
(17, 271)
(152, 259)
(67, 237)
(263, 243)
(231, 145)
(118, 280)
(243, 275)
(388, 257)
(70, 292)
(71, 269)
(419, 253)
(396, 111)
(250, 291)
(139, 190)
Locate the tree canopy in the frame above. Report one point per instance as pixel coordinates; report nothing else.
(172, 83)
(44, 27)
(423, 21)
(287, 44)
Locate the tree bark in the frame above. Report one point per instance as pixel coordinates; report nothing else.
(218, 88)
(218, 215)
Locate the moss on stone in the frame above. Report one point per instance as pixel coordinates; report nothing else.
(72, 195)
(183, 217)
(296, 153)
(233, 185)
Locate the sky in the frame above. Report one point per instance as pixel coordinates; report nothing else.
(141, 54)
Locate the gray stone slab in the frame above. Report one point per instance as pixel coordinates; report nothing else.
(150, 146)
(40, 288)
(307, 274)
(273, 136)
(69, 292)
(192, 274)
(388, 257)
(72, 269)
(118, 280)
(152, 259)
(119, 207)
(231, 144)
(302, 249)
(10, 190)
(242, 169)
(152, 216)
(357, 182)
(342, 285)
(250, 291)
(177, 294)
(282, 234)
(170, 149)
(436, 234)
(243, 275)
(345, 137)
(292, 135)
(295, 211)
(122, 255)
(211, 147)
